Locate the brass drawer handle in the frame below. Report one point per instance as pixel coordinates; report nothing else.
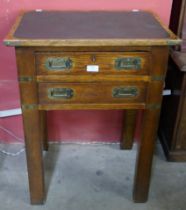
(58, 63)
(124, 92)
(128, 63)
(60, 93)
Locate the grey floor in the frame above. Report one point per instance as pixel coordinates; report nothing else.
(91, 177)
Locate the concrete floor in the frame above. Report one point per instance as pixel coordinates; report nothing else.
(91, 177)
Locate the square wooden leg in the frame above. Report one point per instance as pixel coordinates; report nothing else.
(145, 155)
(128, 129)
(44, 136)
(31, 120)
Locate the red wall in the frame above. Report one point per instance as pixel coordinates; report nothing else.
(64, 125)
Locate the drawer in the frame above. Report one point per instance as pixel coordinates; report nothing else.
(54, 63)
(85, 93)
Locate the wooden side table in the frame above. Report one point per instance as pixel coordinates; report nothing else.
(90, 60)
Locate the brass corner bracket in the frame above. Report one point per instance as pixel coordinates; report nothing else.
(25, 79)
(153, 106)
(29, 106)
(158, 78)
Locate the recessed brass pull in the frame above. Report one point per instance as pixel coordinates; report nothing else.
(124, 92)
(128, 63)
(58, 63)
(60, 93)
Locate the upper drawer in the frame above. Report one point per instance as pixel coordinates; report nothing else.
(59, 63)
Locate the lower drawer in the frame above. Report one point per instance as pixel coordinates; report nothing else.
(90, 93)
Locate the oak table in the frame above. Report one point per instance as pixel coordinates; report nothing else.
(90, 60)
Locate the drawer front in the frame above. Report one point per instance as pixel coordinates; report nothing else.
(137, 63)
(77, 93)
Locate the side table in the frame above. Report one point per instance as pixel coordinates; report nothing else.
(90, 60)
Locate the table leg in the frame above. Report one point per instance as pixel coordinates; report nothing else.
(31, 121)
(145, 155)
(44, 135)
(128, 129)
